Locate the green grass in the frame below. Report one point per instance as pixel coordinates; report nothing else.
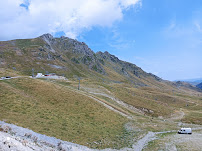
(8, 72)
(193, 117)
(56, 108)
(24, 43)
(138, 99)
(55, 111)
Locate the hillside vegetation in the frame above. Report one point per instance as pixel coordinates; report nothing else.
(60, 112)
(117, 104)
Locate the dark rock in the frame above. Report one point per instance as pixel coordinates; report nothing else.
(136, 73)
(124, 72)
(42, 49)
(47, 36)
(156, 77)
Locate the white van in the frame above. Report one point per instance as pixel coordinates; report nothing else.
(185, 131)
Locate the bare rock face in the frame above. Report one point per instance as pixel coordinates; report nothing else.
(48, 38)
(80, 52)
(156, 77)
(68, 44)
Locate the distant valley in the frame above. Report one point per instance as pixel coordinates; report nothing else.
(192, 81)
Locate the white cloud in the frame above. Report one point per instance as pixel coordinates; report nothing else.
(172, 26)
(72, 17)
(198, 26)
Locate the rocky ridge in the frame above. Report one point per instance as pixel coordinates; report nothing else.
(70, 57)
(199, 85)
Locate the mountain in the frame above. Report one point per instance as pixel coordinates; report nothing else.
(69, 57)
(187, 85)
(199, 85)
(46, 53)
(192, 81)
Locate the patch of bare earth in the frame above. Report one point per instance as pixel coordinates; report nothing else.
(184, 142)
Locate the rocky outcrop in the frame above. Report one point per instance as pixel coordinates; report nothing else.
(15, 138)
(68, 44)
(156, 77)
(81, 53)
(48, 38)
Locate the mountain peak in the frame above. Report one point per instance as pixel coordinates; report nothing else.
(47, 36)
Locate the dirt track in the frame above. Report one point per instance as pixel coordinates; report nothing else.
(184, 142)
(175, 142)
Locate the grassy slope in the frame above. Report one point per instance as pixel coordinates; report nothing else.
(55, 111)
(25, 54)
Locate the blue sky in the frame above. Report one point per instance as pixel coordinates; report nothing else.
(163, 37)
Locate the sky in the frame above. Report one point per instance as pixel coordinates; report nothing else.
(163, 37)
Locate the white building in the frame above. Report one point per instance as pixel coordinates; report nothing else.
(39, 75)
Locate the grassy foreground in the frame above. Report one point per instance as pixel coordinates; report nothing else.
(55, 111)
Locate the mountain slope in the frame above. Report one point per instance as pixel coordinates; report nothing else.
(69, 57)
(199, 85)
(72, 58)
(193, 81)
(57, 111)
